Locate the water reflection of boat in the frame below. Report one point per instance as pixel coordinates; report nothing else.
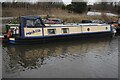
(34, 57)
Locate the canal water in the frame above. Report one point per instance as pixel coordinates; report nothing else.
(89, 58)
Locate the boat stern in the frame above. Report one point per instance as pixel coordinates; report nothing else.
(12, 40)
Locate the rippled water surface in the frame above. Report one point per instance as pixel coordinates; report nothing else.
(92, 58)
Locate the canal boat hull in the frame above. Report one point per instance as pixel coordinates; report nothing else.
(33, 30)
(59, 38)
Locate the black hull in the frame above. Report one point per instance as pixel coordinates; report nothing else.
(118, 31)
(53, 39)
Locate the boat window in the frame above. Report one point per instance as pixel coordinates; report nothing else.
(38, 22)
(88, 29)
(29, 23)
(65, 30)
(51, 31)
(33, 23)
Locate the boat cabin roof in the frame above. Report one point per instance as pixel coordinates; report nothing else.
(30, 17)
(13, 24)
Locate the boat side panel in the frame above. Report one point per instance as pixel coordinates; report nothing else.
(89, 29)
(33, 32)
(78, 30)
(59, 31)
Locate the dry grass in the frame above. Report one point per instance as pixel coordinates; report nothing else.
(54, 12)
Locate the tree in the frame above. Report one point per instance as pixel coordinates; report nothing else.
(69, 7)
(103, 5)
(79, 7)
(63, 7)
(118, 9)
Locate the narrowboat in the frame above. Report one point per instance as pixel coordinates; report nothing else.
(32, 30)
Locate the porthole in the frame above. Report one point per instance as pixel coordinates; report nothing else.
(106, 28)
(88, 29)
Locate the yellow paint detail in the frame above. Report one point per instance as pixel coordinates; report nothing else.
(11, 38)
(29, 32)
(74, 30)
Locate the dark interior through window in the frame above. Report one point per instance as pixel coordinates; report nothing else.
(51, 31)
(65, 30)
(33, 23)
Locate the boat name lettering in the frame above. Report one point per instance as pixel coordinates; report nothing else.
(32, 32)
